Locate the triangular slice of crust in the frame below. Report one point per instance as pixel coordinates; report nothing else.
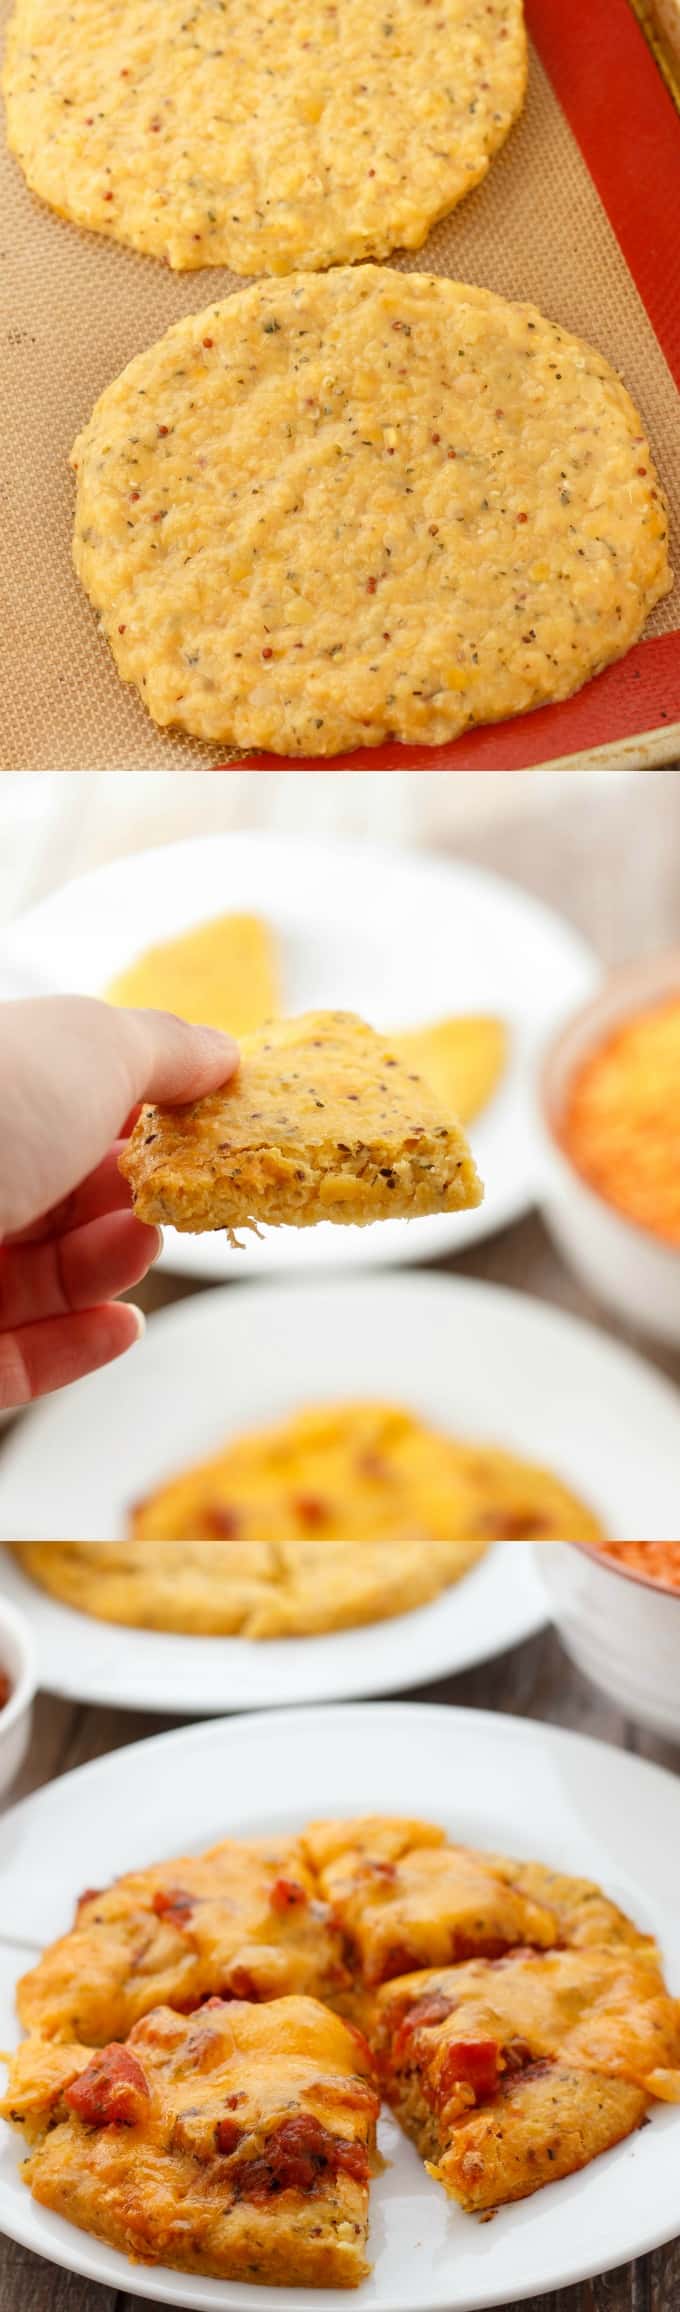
(461, 1059)
(223, 973)
(323, 1122)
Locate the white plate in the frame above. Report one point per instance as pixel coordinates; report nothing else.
(494, 1782)
(473, 1358)
(397, 937)
(500, 1602)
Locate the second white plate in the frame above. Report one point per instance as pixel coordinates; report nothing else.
(397, 936)
(497, 1605)
(473, 1358)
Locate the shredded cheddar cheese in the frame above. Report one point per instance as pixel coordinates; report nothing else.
(622, 1122)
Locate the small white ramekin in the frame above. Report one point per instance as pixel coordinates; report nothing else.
(628, 1268)
(18, 1660)
(623, 1631)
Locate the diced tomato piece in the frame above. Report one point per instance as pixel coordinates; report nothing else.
(298, 2154)
(174, 1904)
(112, 2091)
(399, 1960)
(311, 1510)
(469, 2063)
(227, 2135)
(287, 1895)
(433, 2007)
(221, 1523)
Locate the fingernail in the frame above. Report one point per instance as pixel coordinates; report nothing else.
(158, 1233)
(140, 1319)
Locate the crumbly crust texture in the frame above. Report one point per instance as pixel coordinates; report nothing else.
(262, 138)
(322, 1122)
(365, 505)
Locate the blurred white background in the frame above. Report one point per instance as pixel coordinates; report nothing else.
(58, 824)
(604, 846)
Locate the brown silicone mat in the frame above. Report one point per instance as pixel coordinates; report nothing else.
(75, 310)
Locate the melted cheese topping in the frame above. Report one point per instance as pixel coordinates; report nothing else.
(241, 1918)
(237, 2139)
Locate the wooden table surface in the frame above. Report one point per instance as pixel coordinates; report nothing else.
(534, 1681)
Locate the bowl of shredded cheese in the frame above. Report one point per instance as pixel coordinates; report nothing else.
(617, 1608)
(610, 1102)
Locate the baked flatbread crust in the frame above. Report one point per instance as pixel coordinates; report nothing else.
(253, 1589)
(322, 1122)
(261, 137)
(362, 505)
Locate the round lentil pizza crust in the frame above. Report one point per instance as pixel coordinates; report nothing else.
(365, 505)
(264, 137)
(249, 1589)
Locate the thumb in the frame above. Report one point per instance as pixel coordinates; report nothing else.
(171, 1061)
(71, 1070)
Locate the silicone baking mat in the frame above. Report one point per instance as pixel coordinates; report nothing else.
(578, 213)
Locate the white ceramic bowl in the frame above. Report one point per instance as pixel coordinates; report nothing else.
(631, 1270)
(18, 1660)
(623, 1631)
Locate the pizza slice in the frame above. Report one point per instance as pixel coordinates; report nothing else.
(405, 1898)
(508, 2074)
(322, 1122)
(242, 1921)
(222, 974)
(462, 1059)
(236, 2142)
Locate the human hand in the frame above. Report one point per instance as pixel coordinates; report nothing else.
(73, 1073)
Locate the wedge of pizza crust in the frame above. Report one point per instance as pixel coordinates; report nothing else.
(405, 1897)
(510, 2073)
(243, 1919)
(322, 1122)
(221, 974)
(462, 1058)
(237, 2141)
